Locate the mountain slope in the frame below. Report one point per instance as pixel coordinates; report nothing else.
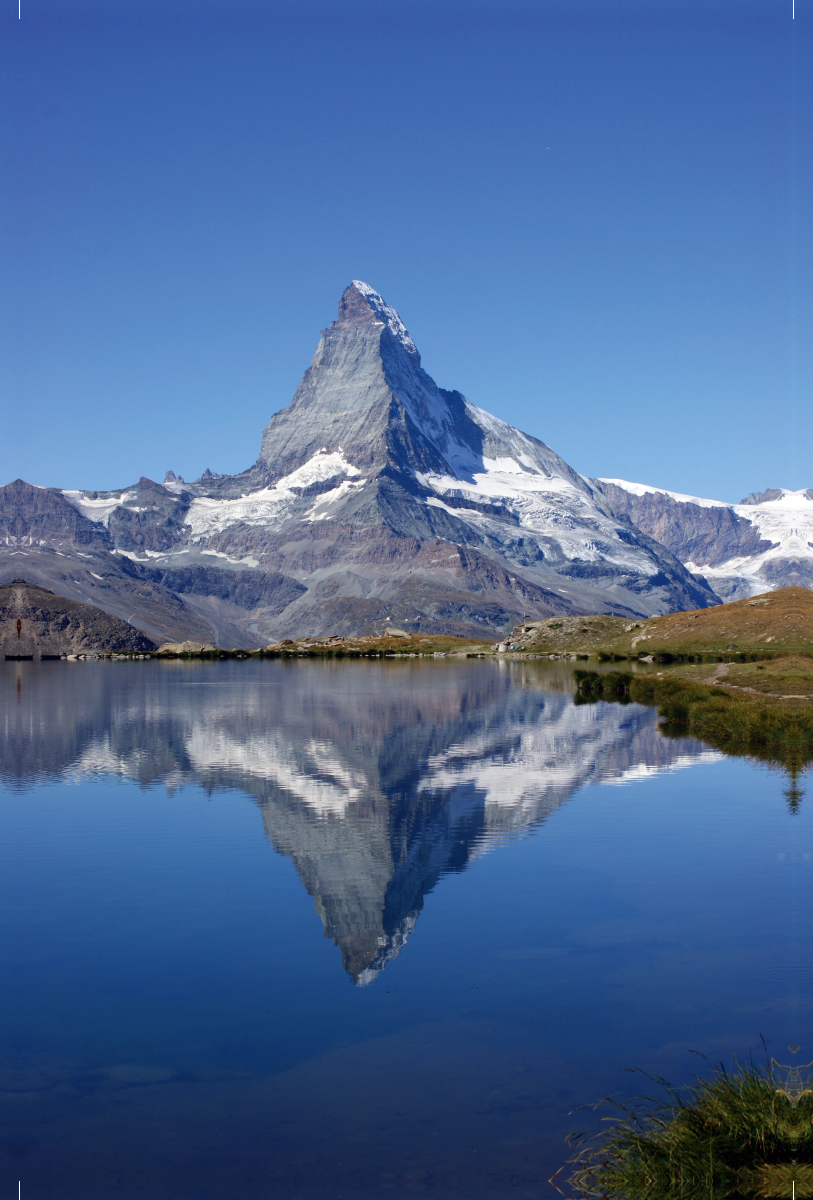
(52, 625)
(377, 496)
(764, 542)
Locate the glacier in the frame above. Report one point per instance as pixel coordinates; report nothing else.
(762, 543)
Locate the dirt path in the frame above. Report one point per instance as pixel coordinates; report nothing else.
(719, 671)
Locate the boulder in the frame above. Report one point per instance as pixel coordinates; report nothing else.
(171, 649)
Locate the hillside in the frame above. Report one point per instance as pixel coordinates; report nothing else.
(781, 620)
(51, 625)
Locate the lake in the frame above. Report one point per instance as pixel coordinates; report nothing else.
(356, 930)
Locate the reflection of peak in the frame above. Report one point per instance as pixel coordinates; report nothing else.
(389, 948)
(375, 782)
(424, 779)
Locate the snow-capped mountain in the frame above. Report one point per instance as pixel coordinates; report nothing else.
(377, 496)
(764, 542)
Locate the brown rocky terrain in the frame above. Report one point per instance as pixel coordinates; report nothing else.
(394, 641)
(776, 621)
(37, 623)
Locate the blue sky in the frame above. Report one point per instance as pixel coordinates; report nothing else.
(593, 217)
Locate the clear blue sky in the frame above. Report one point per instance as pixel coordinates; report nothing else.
(594, 218)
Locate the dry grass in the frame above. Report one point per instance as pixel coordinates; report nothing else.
(371, 646)
(780, 620)
(789, 676)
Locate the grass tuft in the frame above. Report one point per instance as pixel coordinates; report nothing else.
(595, 685)
(735, 1136)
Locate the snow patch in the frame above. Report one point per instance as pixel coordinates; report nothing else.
(96, 509)
(141, 555)
(237, 562)
(317, 469)
(551, 507)
(322, 507)
(643, 489)
(270, 505)
(787, 523)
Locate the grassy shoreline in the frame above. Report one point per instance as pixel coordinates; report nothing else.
(776, 729)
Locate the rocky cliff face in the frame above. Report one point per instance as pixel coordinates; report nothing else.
(375, 782)
(377, 496)
(764, 542)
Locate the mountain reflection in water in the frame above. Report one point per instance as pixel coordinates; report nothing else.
(374, 779)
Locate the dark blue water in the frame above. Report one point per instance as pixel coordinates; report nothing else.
(360, 930)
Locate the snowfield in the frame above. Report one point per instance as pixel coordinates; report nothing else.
(98, 509)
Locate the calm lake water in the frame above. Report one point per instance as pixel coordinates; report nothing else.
(354, 930)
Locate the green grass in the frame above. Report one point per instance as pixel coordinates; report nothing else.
(773, 731)
(776, 732)
(602, 685)
(735, 1136)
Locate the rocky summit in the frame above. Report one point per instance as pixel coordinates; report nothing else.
(378, 497)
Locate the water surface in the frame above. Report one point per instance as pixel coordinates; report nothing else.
(352, 929)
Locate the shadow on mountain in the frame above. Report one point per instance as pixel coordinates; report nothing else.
(376, 780)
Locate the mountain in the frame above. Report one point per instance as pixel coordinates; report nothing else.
(374, 783)
(764, 542)
(377, 496)
(36, 623)
(48, 539)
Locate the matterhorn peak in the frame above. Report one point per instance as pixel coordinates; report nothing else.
(361, 305)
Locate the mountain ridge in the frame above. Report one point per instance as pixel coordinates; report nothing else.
(377, 496)
(762, 543)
